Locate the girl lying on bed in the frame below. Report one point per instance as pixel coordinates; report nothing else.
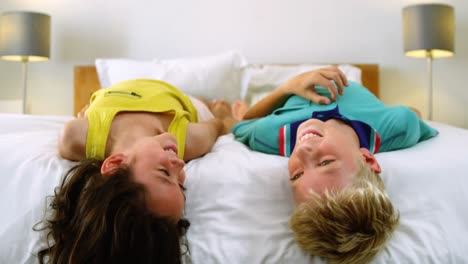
(123, 202)
(330, 133)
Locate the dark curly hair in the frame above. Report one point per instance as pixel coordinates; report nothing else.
(98, 219)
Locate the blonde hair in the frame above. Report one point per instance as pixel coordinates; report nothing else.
(347, 226)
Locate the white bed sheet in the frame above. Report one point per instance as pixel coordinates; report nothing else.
(238, 200)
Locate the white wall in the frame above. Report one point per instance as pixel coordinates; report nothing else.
(266, 31)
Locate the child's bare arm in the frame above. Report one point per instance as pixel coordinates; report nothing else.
(304, 86)
(201, 137)
(416, 111)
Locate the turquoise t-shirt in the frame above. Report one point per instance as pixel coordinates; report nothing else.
(379, 127)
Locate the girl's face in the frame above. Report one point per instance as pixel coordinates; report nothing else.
(154, 164)
(325, 157)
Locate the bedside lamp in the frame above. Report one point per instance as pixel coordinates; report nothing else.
(24, 37)
(428, 32)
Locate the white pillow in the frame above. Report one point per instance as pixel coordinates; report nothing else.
(266, 78)
(111, 71)
(213, 77)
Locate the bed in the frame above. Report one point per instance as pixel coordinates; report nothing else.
(238, 200)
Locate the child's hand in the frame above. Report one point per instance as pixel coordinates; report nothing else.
(220, 109)
(304, 84)
(239, 108)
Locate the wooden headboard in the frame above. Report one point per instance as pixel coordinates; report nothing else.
(86, 82)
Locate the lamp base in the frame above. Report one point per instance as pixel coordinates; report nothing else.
(429, 74)
(25, 84)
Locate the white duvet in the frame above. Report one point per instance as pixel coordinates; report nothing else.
(238, 200)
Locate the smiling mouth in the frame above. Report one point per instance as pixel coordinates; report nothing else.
(309, 134)
(171, 148)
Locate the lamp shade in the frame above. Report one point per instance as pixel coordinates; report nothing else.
(428, 30)
(24, 36)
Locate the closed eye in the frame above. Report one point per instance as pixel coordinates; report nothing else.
(165, 172)
(182, 188)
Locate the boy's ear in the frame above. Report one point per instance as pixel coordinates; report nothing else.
(370, 160)
(112, 163)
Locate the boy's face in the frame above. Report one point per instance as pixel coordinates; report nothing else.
(326, 156)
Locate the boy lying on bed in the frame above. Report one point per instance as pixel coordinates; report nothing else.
(330, 133)
(124, 201)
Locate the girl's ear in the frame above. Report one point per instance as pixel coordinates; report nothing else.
(112, 164)
(370, 160)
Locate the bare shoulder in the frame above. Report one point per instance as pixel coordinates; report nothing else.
(416, 111)
(72, 140)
